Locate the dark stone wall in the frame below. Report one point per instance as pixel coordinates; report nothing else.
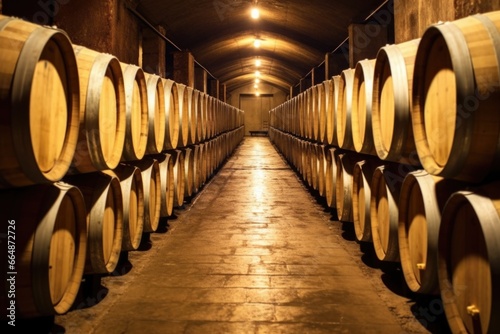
(102, 25)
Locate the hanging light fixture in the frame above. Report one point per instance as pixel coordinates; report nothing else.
(258, 62)
(257, 42)
(255, 13)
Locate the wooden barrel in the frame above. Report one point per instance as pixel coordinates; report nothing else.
(184, 109)
(179, 182)
(132, 188)
(469, 260)
(136, 111)
(40, 83)
(344, 110)
(361, 197)
(198, 100)
(104, 203)
(295, 117)
(192, 115)
(152, 186)
(157, 119)
(211, 157)
(313, 166)
(322, 104)
(197, 173)
(171, 114)
(384, 210)
(331, 96)
(345, 162)
(50, 243)
(315, 109)
(216, 119)
(203, 163)
(391, 117)
(322, 151)
(301, 112)
(210, 117)
(188, 172)
(309, 113)
(102, 113)
(456, 92)
(361, 113)
(305, 167)
(331, 177)
(421, 202)
(204, 116)
(216, 148)
(167, 192)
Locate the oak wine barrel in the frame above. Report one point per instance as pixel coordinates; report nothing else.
(421, 202)
(152, 186)
(102, 112)
(456, 93)
(167, 194)
(361, 197)
(331, 177)
(39, 103)
(469, 259)
(157, 116)
(104, 204)
(331, 100)
(384, 210)
(361, 113)
(50, 247)
(136, 110)
(171, 114)
(132, 188)
(184, 94)
(345, 162)
(343, 121)
(392, 93)
(179, 182)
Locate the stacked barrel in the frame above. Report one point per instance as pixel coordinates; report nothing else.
(95, 152)
(406, 147)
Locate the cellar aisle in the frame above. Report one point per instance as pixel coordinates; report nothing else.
(254, 252)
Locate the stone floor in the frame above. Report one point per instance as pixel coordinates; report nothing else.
(254, 252)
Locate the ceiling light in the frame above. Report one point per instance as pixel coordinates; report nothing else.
(257, 43)
(255, 14)
(256, 86)
(257, 73)
(257, 80)
(257, 94)
(258, 62)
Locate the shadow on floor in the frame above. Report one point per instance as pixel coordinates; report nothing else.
(43, 325)
(427, 309)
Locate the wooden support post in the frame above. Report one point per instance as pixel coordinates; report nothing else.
(365, 40)
(184, 68)
(338, 62)
(201, 79)
(214, 88)
(327, 66)
(411, 18)
(154, 51)
(224, 90)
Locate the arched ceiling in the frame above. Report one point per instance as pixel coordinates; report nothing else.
(220, 34)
